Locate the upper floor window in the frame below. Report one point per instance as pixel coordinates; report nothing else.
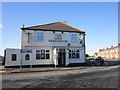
(27, 57)
(73, 37)
(14, 57)
(39, 36)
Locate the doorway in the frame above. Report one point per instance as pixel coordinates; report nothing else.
(61, 59)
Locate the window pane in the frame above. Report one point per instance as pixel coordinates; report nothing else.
(47, 56)
(77, 50)
(42, 56)
(73, 37)
(42, 51)
(73, 55)
(69, 55)
(37, 56)
(27, 57)
(69, 50)
(39, 36)
(77, 55)
(37, 51)
(47, 50)
(14, 57)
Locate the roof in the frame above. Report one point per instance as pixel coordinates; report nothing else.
(111, 48)
(57, 26)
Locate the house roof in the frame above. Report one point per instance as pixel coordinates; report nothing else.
(57, 26)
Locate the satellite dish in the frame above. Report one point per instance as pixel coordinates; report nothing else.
(81, 36)
(80, 40)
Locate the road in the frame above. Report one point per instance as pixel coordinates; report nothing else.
(99, 77)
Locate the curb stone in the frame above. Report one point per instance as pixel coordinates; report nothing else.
(18, 71)
(48, 70)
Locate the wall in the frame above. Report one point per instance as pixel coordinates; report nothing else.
(79, 60)
(49, 35)
(38, 45)
(109, 54)
(51, 60)
(8, 61)
(33, 60)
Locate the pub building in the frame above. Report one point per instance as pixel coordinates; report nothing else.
(56, 44)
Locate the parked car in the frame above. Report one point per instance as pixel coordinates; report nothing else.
(100, 60)
(90, 61)
(96, 61)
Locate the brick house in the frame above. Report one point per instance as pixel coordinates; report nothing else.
(112, 53)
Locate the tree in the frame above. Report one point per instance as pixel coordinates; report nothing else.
(87, 55)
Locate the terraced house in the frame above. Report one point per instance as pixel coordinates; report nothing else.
(112, 53)
(49, 44)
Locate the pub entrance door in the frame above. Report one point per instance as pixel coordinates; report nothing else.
(61, 58)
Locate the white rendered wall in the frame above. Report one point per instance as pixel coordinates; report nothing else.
(51, 60)
(34, 61)
(79, 60)
(46, 45)
(8, 58)
(49, 35)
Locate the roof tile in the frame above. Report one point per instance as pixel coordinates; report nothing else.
(57, 26)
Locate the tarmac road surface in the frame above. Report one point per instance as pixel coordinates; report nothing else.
(105, 77)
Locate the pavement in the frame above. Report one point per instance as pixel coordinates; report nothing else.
(45, 69)
(48, 69)
(40, 69)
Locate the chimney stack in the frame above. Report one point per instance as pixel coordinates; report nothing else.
(65, 22)
(23, 26)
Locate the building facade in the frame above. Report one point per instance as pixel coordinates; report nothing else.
(112, 53)
(49, 44)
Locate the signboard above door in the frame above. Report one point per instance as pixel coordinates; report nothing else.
(57, 38)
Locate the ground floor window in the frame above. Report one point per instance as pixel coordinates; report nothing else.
(74, 54)
(47, 56)
(14, 57)
(37, 56)
(42, 54)
(27, 57)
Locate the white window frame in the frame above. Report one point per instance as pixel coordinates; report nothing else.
(39, 36)
(77, 51)
(73, 37)
(45, 54)
(15, 57)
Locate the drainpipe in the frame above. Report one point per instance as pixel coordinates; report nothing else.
(21, 60)
(54, 56)
(84, 48)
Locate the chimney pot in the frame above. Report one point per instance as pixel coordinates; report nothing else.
(65, 22)
(23, 26)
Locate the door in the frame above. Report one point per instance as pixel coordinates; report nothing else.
(61, 58)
